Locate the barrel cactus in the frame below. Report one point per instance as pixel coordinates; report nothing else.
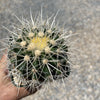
(37, 53)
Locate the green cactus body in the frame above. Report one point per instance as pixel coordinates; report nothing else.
(38, 54)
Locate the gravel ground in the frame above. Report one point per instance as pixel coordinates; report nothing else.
(81, 16)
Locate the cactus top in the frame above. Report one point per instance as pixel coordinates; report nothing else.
(40, 42)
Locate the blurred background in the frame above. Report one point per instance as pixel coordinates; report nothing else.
(80, 16)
